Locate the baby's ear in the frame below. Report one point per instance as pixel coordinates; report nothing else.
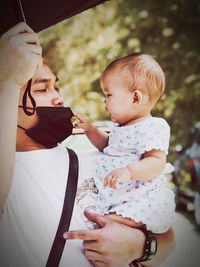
(137, 97)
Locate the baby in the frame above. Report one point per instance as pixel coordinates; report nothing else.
(130, 174)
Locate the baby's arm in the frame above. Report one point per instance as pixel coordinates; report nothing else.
(152, 164)
(97, 137)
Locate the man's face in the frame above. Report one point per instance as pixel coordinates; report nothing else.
(45, 92)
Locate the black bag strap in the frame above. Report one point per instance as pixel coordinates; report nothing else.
(70, 193)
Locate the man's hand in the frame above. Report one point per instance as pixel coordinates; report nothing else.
(20, 54)
(116, 176)
(113, 245)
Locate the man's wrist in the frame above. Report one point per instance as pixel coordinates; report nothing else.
(150, 246)
(8, 86)
(139, 246)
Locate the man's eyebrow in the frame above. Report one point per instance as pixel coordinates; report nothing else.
(44, 80)
(41, 81)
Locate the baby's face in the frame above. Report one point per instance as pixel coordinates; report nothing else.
(118, 99)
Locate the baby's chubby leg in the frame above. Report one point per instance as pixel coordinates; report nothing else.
(126, 221)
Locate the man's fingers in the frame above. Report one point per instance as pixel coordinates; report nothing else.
(35, 59)
(35, 49)
(94, 217)
(19, 28)
(90, 244)
(39, 60)
(88, 234)
(29, 38)
(92, 255)
(19, 48)
(99, 263)
(82, 234)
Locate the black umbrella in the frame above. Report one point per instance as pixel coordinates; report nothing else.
(40, 14)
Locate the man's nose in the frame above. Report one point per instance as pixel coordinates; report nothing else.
(58, 100)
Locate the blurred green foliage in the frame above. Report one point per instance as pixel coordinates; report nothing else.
(78, 50)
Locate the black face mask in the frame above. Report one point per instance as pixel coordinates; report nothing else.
(54, 125)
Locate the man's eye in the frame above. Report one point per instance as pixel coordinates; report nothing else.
(108, 95)
(41, 90)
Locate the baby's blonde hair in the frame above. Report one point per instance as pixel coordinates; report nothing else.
(144, 73)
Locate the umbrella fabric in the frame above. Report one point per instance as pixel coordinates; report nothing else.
(40, 14)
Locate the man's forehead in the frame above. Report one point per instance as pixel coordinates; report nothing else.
(44, 74)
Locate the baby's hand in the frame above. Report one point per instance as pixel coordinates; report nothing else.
(116, 176)
(82, 121)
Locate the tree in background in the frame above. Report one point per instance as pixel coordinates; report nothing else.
(80, 48)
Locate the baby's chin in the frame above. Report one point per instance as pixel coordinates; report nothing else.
(114, 120)
(117, 121)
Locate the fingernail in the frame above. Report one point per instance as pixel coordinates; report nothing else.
(65, 235)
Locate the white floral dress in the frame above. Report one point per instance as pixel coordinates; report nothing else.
(147, 201)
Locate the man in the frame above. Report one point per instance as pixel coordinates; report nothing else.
(32, 198)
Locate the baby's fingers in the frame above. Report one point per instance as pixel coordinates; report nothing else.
(111, 181)
(107, 180)
(79, 116)
(114, 182)
(105, 183)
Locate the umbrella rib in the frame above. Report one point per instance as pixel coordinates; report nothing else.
(22, 11)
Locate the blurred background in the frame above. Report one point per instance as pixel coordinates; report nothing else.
(78, 50)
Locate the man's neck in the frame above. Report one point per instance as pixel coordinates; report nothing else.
(25, 143)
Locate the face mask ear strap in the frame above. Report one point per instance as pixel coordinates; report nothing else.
(24, 100)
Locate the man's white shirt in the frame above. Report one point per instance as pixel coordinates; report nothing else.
(32, 210)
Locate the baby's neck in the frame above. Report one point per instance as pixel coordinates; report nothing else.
(136, 120)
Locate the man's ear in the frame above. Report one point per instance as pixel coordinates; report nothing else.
(137, 97)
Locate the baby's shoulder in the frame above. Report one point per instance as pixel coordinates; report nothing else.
(154, 134)
(155, 123)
